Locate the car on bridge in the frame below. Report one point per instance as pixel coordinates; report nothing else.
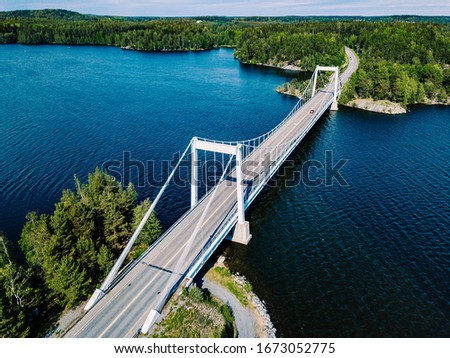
(311, 111)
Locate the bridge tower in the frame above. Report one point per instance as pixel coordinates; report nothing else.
(242, 228)
(334, 105)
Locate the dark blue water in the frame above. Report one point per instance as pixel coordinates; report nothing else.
(65, 110)
(368, 259)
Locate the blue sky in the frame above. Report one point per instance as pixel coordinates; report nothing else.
(237, 7)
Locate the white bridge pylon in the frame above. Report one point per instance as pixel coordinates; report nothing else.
(334, 105)
(242, 229)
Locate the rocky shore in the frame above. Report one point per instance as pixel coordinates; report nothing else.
(258, 310)
(260, 307)
(382, 106)
(282, 65)
(365, 104)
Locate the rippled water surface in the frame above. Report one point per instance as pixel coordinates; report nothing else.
(66, 110)
(371, 258)
(367, 259)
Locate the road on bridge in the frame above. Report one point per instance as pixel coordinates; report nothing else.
(123, 310)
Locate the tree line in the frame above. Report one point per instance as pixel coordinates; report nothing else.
(69, 252)
(400, 61)
(403, 58)
(156, 35)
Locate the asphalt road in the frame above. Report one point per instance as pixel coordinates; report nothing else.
(123, 310)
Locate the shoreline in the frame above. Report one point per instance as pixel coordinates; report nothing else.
(251, 318)
(369, 105)
(257, 306)
(287, 67)
(365, 104)
(381, 106)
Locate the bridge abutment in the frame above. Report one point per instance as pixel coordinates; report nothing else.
(334, 106)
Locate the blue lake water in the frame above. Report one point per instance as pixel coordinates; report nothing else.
(66, 110)
(368, 259)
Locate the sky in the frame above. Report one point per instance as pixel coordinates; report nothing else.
(237, 7)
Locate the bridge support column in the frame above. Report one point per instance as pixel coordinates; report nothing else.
(334, 105)
(194, 173)
(98, 294)
(313, 91)
(239, 188)
(241, 233)
(242, 229)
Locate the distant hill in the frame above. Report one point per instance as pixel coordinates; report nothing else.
(61, 14)
(287, 19)
(51, 14)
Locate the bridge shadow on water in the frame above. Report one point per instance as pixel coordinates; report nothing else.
(261, 208)
(288, 171)
(270, 193)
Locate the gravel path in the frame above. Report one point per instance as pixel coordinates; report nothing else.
(244, 318)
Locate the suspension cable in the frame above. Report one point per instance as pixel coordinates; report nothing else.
(175, 273)
(130, 243)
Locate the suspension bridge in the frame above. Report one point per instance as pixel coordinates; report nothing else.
(131, 298)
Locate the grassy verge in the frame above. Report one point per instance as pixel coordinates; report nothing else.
(222, 275)
(196, 314)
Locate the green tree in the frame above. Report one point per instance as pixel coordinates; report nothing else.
(15, 295)
(442, 96)
(420, 96)
(150, 232)
(69, 281)
(73, 249)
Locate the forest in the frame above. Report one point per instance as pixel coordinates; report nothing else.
(401, 62)
(148, 35)
(404, 59)
(68, 253)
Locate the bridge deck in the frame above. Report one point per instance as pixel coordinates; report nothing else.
(122, 311)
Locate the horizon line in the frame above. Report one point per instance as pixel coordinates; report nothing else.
(226, 16)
